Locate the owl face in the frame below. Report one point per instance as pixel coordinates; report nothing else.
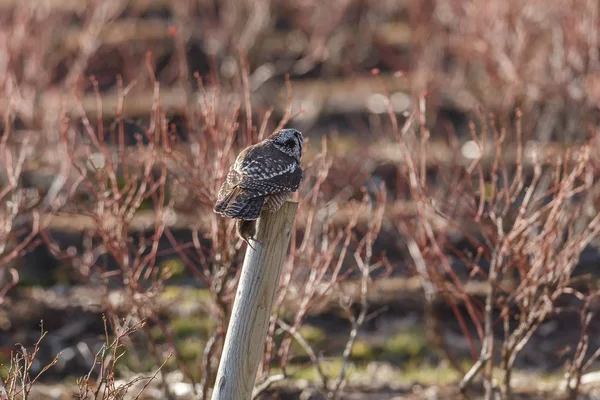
(289, 141)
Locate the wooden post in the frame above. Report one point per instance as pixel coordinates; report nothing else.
(244, 343)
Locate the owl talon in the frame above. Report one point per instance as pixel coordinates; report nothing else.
(256, 240)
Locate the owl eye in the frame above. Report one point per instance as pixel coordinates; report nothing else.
(290, 143)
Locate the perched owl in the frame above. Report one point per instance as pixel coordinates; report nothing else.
(262, 177)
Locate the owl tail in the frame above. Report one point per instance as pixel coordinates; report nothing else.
(238, 205)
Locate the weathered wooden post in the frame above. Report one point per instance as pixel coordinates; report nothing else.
(244, 342)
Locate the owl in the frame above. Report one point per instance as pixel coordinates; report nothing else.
(261, 178)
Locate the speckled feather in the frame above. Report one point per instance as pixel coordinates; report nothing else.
(263, 176)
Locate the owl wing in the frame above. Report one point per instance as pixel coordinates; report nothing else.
(237, 202)
(267, 175)
(231, 181)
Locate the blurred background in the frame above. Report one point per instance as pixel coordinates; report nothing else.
(446, 239)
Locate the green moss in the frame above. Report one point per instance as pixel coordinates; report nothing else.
(411, 372)
(173, 268)
(182, 327)
(125, 185)
(190, 349)
(331, 369)
(4, 372)
(547, 378)
(425, 373)
(362, 350)
(409, 343)
(157, 335)
(313, 335)
(129, 360)
(286, 314)
(178, 293)
(198, 326)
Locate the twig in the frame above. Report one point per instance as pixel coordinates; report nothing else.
(264, 386)
(308, 349)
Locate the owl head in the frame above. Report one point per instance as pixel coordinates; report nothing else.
(289, 141)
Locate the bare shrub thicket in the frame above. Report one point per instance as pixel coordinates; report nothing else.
(526, 223)
(20, 379)
(528, 54)
(585, 356)
(110, 183)
(317, 267)
(17, 208)
(121, 192)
